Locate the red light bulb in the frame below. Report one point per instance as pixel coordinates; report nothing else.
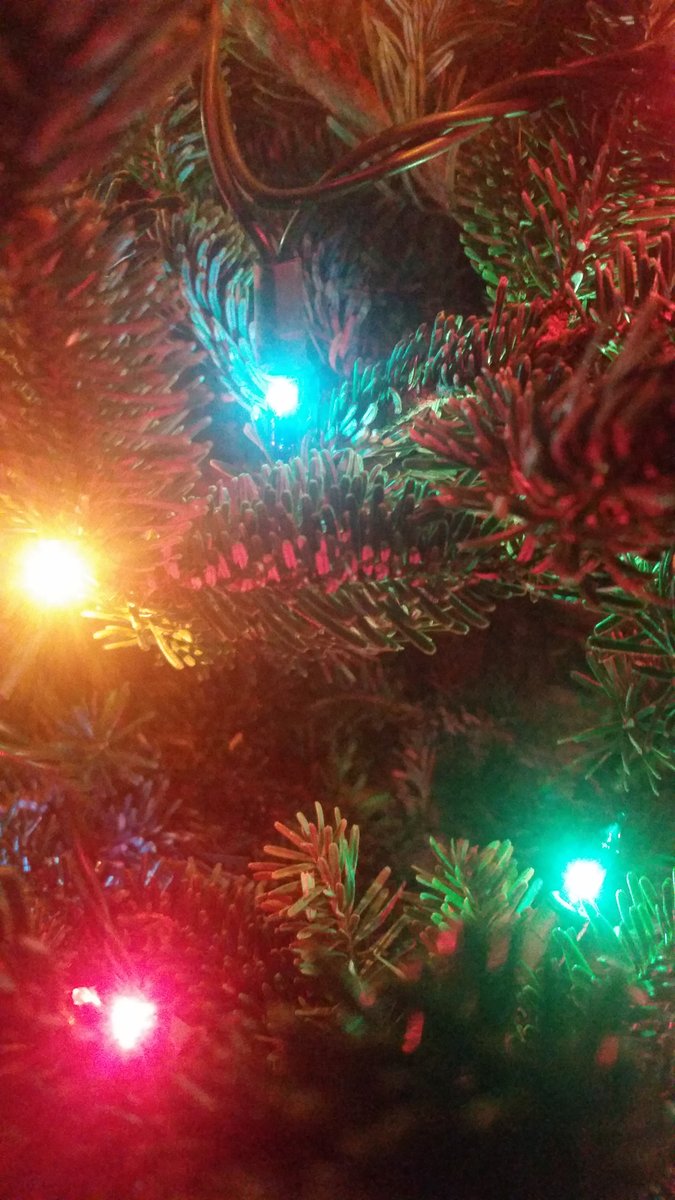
(131, 1020)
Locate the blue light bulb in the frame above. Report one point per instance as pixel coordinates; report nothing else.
(583, 880)
(282, 395)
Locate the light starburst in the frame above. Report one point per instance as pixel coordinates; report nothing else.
(54, 573)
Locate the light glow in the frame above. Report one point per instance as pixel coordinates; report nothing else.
(282, 395)
(85, 995)
(54, 574)
(131, 1020)
(583, 880)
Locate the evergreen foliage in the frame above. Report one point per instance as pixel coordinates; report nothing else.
(382, 613)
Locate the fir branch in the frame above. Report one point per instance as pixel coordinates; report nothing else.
(75, 77)
(641, 948)
(99, 419)
(446, 1045)
(398, 1119)
(549, 463)
(548, 202)
(631, 655)
(312, 892)
(318, 556)
(633, 734)
(476, 885)
(215, 262)
(543, 337)
(133, 625)
(551, 222)
(645, 935)
(320, 64)
(412, 56)
(94, 747)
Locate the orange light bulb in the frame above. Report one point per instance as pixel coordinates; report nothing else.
(54, 573)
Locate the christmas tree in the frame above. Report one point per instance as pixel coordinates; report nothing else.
(337, 498)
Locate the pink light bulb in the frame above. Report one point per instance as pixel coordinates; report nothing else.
(131, 1020)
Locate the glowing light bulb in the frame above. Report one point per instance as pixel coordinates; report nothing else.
(282, 395)
(583, 880)
(131, 1020)
(54, 573)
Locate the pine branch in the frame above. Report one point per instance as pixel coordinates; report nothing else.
(215, 262)
(423, 1069)
(312, 892)
(631, 655)
(633, 734)
(641, 948)
(550, 463)
(552, 223)
(380, 399)
(549, 201)
(74, 77)
(94, 747)
(476, 885)
(99, 416)
(320, 557)
(320, 64)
